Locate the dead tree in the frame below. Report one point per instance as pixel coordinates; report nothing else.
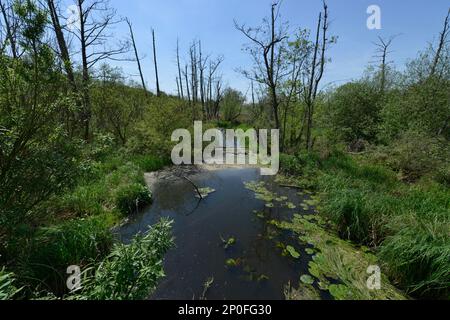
(10, 27)
(315, 73)
(138, 59)
(443, 41)
(62, 44)
(382, 54)
(180, 78)
(95, 20)
(266, 56)
(158, 91)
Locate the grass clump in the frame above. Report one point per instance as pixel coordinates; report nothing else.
(130, 198)
(130, 272)
(53, 249)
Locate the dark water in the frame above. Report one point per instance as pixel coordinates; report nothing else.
(263, 271)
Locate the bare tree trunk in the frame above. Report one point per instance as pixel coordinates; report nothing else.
(64, 52)
(202, 81)
(383, 51)
(442, 42)
(158, 92)
(86, 112)
(138, 60)
(9, 30)
(179, 71)
(315, 80)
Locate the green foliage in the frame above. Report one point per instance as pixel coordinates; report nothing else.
(422, 107)
(34, 144)
(408, 223)
(232, 104)
(7, 288)
(414, 155)
(131, 272)
(130, 198)
(153, 132)
(53, 249)
(150, 163)
(353, 111)
(116, 105)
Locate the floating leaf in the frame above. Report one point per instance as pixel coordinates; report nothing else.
(307, 279)
(291, 250)
(290, 205)
(232, 263)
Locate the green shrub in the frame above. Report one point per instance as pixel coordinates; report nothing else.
(415, 155)
(290, 165)
(129, 198)
(54, 249)
(151, 163)
(131, 272)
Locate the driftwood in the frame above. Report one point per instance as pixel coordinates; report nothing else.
(195, 186)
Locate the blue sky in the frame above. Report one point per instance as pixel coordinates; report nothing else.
(416, 22)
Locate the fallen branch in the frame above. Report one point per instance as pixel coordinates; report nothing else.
(195, 186)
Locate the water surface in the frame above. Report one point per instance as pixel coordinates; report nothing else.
(199, 228)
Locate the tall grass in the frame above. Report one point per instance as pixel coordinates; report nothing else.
(408, 225)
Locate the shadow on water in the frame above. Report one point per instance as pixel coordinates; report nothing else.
(260, 270)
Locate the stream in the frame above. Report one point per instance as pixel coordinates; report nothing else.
(254, 267)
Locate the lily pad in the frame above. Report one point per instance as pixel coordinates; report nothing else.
(291, 250)
(307, 279)
(290, 205)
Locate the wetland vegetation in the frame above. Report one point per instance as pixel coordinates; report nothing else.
(364, 178)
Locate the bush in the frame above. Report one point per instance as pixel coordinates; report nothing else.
(151, 163)
(131, 272)
(290, 165)
(130, 198)
(415, 155)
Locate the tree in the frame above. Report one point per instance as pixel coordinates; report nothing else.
(136, 54)
(443, 41)
(232, 104)
(62, 44)
(33, 145)
(95, 21)
(265, 52)
(180, 78)
(158, 92)
(10, 22)
(382, 53)
(315, 73)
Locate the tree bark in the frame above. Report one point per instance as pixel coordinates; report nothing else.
(138, 60)
(158, 91)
